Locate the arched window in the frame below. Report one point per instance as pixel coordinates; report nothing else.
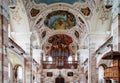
(9, 30)
(101, 74)
(19, 74)
(9, 72)
(50, 59)
(70, 59)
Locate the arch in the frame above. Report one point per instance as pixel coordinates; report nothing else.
(59, 32)
(80, 22)
(56, 7)
(101, 69)
(59, 79)
(103, 65)
(18, 73)
(60, 6)
(16, 66)
(10, 74)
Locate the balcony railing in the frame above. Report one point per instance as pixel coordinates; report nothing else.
(59, 65)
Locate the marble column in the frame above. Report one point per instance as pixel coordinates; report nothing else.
(3, 50)
(92, 71)
(115, 28)
(28, 70)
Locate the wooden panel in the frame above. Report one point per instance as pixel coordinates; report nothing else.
(112, 72)
(53, 65)
(116, 62)
(115, 71)
(108, 73)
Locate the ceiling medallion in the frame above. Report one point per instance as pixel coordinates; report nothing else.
(60, 19)
(85, 11)
(34, 12)
(58, 1)
(60, 39)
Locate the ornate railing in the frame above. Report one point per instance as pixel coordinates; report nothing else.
(59, 65)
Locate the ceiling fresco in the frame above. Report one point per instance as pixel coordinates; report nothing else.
(60, 45)
(34, 12)
(60, 20)
(57, 1)
(85, 11)
(59, 39)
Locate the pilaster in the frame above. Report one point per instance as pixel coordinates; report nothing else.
(3, 50)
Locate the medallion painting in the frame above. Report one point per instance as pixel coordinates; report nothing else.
(57, 1)
(60, 19)
(34, 12)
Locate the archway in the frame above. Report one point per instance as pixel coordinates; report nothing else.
(18, 74)
(101, 74)
(59, 79)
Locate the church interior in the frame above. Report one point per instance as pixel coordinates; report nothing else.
(59, 41)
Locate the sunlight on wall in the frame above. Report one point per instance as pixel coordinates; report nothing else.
(101, 74)
(9, 70)
(50, 59)
(20, 73)
(70, 59)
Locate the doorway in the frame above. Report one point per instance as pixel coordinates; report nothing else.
(59, 79)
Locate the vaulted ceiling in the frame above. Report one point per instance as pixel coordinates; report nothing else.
(42, 19)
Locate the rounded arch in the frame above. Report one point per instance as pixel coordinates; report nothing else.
(16, 66)
(101, 71)
(18, 73)
(59, 32)
(103, 65)
(59, 79)
(81, 24)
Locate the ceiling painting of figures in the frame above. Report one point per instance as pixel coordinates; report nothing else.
(60, 39)
(60, 20)
(57, 1)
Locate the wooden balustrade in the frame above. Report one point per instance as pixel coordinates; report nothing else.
(59, 65)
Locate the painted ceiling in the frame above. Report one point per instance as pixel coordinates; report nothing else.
(60, 39)
(85, 17)
(57, 1)
(60, 20)
(68, 41)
